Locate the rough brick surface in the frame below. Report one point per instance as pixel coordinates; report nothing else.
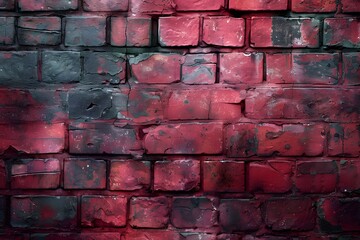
(107, 5)
(343, 32)
(351, 68)
(85, 31)
(7, 30)
(258, 5)
(179, 31)
(44, 5)
(313, 6)
(7, 4)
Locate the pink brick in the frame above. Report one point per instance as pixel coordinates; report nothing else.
(313, 6)
(179, 31)
(258, 5)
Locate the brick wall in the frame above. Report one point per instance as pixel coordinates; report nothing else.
(179, 119)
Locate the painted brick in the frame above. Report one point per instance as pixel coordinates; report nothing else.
(35, 174)
(92, 138)
(43, 212)
(7, 4)
(39, 31)
(258, 5)
(118, 31)
(239, 215)
(138, 31)
(103, 211)
(129, 175)
(272, 176)
(33, 137)
(187, 138)
(350, 6)
(195, 212)
(224, 31)
(60, 66)
(297, 214)
(202, 5)
(152, 235)
(179, 31)
(351, 68)
(284, 32)
(154, 68)
(76, 236)
(104, 68)
(316, 176)
(223, 176)
(236, 68)
(227, 104)
(3, 175)
(344, 140)
(148, 212)
(154, 7)
(84, 174)
(302, 68)
(338, 215)
(199, 69)
(343, 32)
(241, 140)
(46, 5)
(349, 179)
(107, 5)
(85, 31)
(313, 6)
(177, 175)
(198, 236)
(7, 30)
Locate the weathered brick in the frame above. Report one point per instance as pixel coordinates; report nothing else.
(350, 6)
(239, 215)
(272, 176)
(195, 212)
(244, 68)
(302, 68)
(241, 140)
(224, 31)
(156, 68)
(148, 212)
(339, 215)
(196, 5)
(349, 179)
(138, 32)
(3, 209)
(92, 138)
(14, 236)
(103, 211)
(313, 6)
(296, 214)
(84, 174)
(39, 31)
(154, 7)
(199, 69)
(76, 236)
(43, 212)
(316, 176)
(344, 140)
(7, 30)
(225, 236)
(342, 32)
(118, 31)
(187, 138)
(47, 5)
(7, 4)
(60, 66)
(33, 137)
(351, 68)
(227, 104)
(177, 175)
(197, 236)
(3, 175)
(129, 175)
(179, 31)
(258, 5)
(152, 235)
(105, 5)
(284, 32)
(35, 174)
(104, 68)
(223, 176)
(85, 31)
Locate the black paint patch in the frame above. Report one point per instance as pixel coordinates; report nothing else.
(352, 68)
(284, 31)
(314, 168)
(7, 30)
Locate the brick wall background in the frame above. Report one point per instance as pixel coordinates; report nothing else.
(179, 119)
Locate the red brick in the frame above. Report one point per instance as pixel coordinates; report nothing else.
(241, 140)
(92, 138)
(284, 32)
(303, 68)
(33, 137)
(118, 31)
(349, 180)
(229, 237)
(351, 68)
(224, 31)
(272, 176)
(344, 140)
(103, 211)
(76, 236)
(156, 68)
(227, 104)
(129, 175)
(7, 4)
(197, 236)
(177, 175)
(138, 32)
(43, 212)
(179, 31)
(290, 214)
(239, 215)
(149, 212)
(47, 5)
(3, 175)
(248, 68)
(258, 5)
(199, 69)
(7, 30)
(223, 176)
(195, 212)
(84, 174)
(339, 215)
(105, 5)
(152, 235)
(187, 138)
(291, 139)
(316, 176)
(313, 6)
(196, 5)
(154, 7)
(35, 174)
(342, 32)
(350, 6)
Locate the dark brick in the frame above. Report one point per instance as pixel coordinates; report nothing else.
(349, 179)
(153, 235)
(197, 236)
(76, 236)
(107, 5)
(351, 68)
(199, 69)
(3, 210)
(342, 32)
(344, 140)
(241, 140)
(47, 5)
(313, 6)
(61, 67)
(7, 4)
(7, 30)
(138, 31)
(3, 175)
